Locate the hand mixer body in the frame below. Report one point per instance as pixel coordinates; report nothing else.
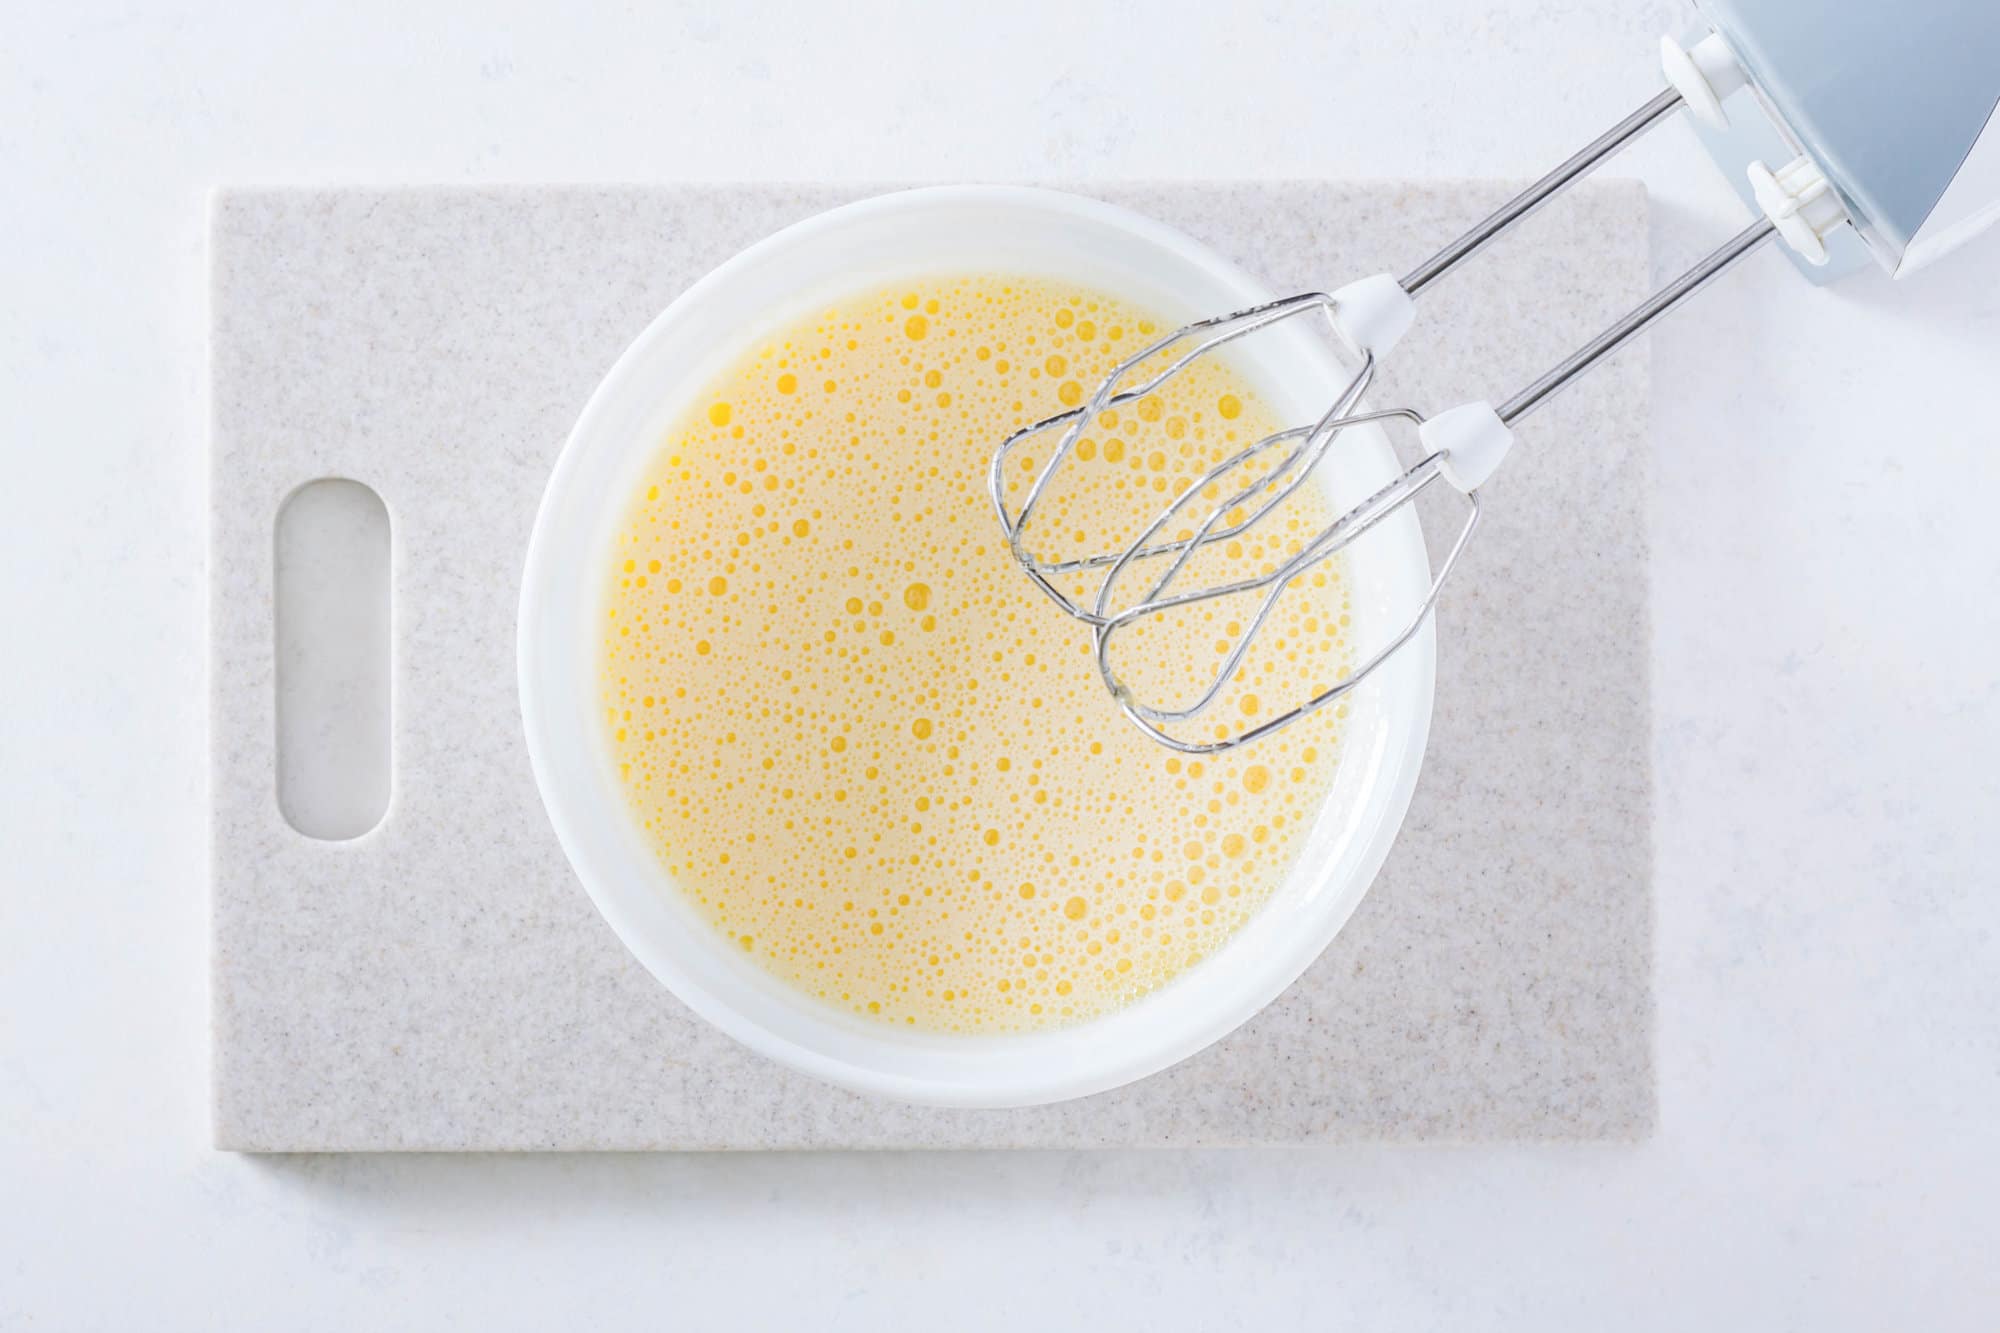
(1895, 103)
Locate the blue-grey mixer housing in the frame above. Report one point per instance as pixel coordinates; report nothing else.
(1894, 103)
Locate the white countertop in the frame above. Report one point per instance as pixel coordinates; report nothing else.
(1825, 632)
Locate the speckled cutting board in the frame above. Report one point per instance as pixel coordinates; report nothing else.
(443, 982)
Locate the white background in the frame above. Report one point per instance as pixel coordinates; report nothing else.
(1828, 560)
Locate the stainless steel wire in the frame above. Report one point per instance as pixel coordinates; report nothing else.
(1294, 455)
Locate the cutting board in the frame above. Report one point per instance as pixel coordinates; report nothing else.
(442, 981)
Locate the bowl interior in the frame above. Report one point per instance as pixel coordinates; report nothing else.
(983, 229)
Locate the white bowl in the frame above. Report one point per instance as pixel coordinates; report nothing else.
(979, 229)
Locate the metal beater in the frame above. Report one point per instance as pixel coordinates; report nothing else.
(1862, 125)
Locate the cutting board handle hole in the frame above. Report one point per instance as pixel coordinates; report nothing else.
(330, 591)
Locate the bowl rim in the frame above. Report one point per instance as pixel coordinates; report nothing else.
(1008, 1085)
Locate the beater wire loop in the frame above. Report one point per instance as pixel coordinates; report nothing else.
(1293, 455)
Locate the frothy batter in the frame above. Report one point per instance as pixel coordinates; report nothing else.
(875, 757)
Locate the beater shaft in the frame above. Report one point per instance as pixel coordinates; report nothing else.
(1461, 446)
(1572, 367)
(1574, 168)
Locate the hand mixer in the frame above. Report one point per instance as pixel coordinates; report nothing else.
(1896, 152)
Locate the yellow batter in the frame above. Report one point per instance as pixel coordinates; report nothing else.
(876, 757)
